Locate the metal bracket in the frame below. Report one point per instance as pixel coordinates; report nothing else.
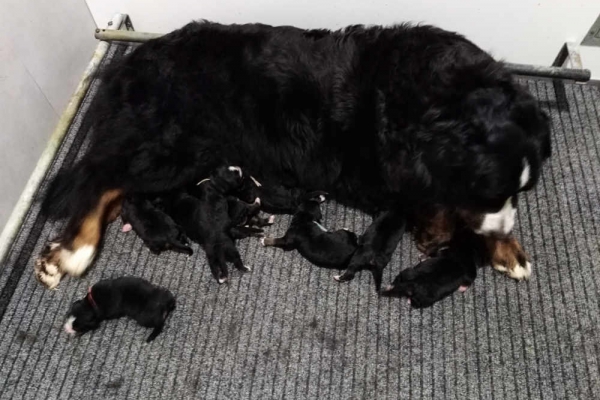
(592, 38)
(568, 57)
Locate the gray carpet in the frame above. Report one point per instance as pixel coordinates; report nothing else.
(287, 330)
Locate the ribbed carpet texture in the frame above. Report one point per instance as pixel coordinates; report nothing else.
(287, 330)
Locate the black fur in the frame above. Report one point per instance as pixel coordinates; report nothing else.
(438, 277)
(322, 248)
(375, 116)
(204, 216)
(275, 198)
(158, 231)
(378, 244)
(147, 304)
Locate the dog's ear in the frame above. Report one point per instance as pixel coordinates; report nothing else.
(317, 195)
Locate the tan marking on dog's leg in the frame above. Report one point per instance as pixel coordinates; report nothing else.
(74, 258)
(508, 257)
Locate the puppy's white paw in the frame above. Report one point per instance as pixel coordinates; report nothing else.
(271, 219)
(262, 241)
(221, 280)
(337, 278)
(126, 228)
(321, 198)
(463, 288)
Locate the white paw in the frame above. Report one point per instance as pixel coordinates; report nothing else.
(126, 228)
(271, 219)
(321, 198)
(256, 201)
(262, 241)
(222, 280)
(47, 273)
(463, 288)
(521, 272)
(337, 277)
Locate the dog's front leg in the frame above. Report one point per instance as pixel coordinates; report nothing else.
(378, 244)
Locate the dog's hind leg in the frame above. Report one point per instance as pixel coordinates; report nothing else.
(216, 262)
(286, 243)
(75, 252)
(233, 255)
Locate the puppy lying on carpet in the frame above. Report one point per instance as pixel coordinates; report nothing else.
(316, 244)
(158, 230)
(449, 270)
(131, 297)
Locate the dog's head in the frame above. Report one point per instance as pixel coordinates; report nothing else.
(474, 150)
(227, 179)
(81, 318)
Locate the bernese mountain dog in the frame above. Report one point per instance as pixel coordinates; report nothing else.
(391, 120)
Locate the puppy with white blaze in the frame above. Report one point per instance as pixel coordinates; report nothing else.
(392, 120)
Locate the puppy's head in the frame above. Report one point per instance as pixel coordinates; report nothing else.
(81, 318)
(248, 190)
(311, 205)
(227, 179)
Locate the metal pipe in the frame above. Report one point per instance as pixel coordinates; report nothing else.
(13, 225)
(109, 35)
(579, 75)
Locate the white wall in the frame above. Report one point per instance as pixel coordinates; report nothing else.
(44, 49)
(523, 31)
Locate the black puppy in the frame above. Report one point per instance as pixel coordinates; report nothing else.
(204, 215)
(379, 243)
(158, 231)
(243, 214)
(312, 240)
(275, 198)
(433, 279)
(131, 297)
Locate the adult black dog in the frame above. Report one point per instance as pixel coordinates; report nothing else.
(379, 117)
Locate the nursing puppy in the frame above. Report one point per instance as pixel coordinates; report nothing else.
(316, 244)
(204, 216)
(158, 231)
(131, 297)
(451, 269)
(275, 198)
